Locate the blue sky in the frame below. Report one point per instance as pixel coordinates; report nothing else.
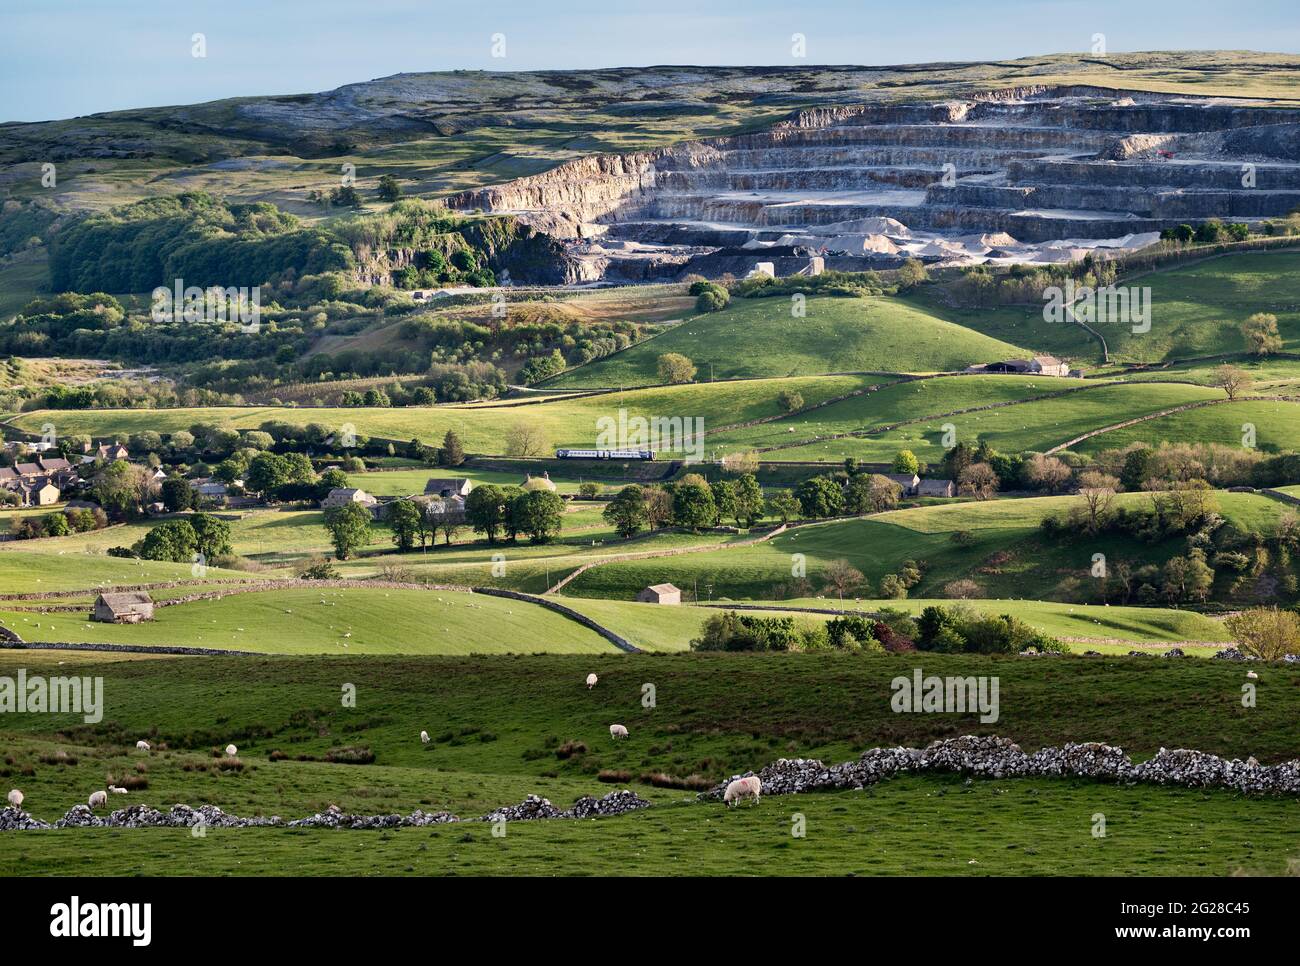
(63, 58)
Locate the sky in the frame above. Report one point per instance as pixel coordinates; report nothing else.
(66, 58)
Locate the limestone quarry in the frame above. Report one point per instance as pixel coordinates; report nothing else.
(1028, 175)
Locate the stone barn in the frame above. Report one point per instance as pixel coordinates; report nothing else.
(660, 594)
(123, 608)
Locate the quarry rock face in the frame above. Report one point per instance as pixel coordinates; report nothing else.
(1036, 164)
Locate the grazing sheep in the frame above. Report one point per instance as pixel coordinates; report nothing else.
(142, 745)
(617, 731)
(591, 681)
(743, 788)
(231, 750)
(16, 798)
(98, 799)
(1252, 675)
(424, 737)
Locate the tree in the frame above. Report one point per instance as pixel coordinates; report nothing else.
(485, 510)
(1187, 578)
(1096, 494)
(626, 513)
(177, 494)
(820, 497)
(789, 400)
(1266, 632)
(746, 461)
(675, 368)
(842, 577)
(911, 274)
(349, 527)
(122, 488)
(905, 462)
(978, 480)
(405, 519)
(658, 507)
(56, 525)
(266, 473)
(539, 514)
(1137, 467)
(389, 190)
(693, 505)
(173, 541)
(211, 536)
(450, 524)
(724, 501)
(1233, 380)
(452, 452)
(525, 439)
(1260, 332)
(783, 505)
(749, 500)
(1048, 473)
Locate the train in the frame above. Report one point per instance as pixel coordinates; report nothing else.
(604, 454)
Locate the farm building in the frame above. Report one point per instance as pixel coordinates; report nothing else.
(1038, 365)
(343, 495)
(447, 487)
(123, 608)
(532, 483)
(660, 594)
(908, 481)
(936, 488)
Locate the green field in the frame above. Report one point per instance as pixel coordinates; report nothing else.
(482, 427)
(27, 572)
(1196, 310)
(1027, 565)
(1276, 427)
(497, 722)
(837, 335)
(326, 620)
(1034, 425)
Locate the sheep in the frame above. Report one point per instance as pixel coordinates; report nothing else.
(98, 799)
(591, 681)
(231, 750)
(16, 798)
(142, 745)
(743, 788)
(116, 791)
(424, 737)
(1252, 675)
(617, 731)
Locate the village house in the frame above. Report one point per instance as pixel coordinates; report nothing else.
(343, 495)
(446, 486)
(123, 608)
(209, 489)
(936, 488)
(39, 492)
(660, 594)
(908, 481)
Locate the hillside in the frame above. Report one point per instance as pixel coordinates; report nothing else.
(836, 335)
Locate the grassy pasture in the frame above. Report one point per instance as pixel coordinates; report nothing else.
(1276, 424)
(307, 620)
(482, 427)
(497, 723)
(837, 335)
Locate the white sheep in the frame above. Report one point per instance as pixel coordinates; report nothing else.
(16, 798)
(743, 788)
(1252, 675)
(591, 681)
(424, 737)
(617, 731)
(116, 791)
(142, 745)
(98, 799)
(231, 750)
